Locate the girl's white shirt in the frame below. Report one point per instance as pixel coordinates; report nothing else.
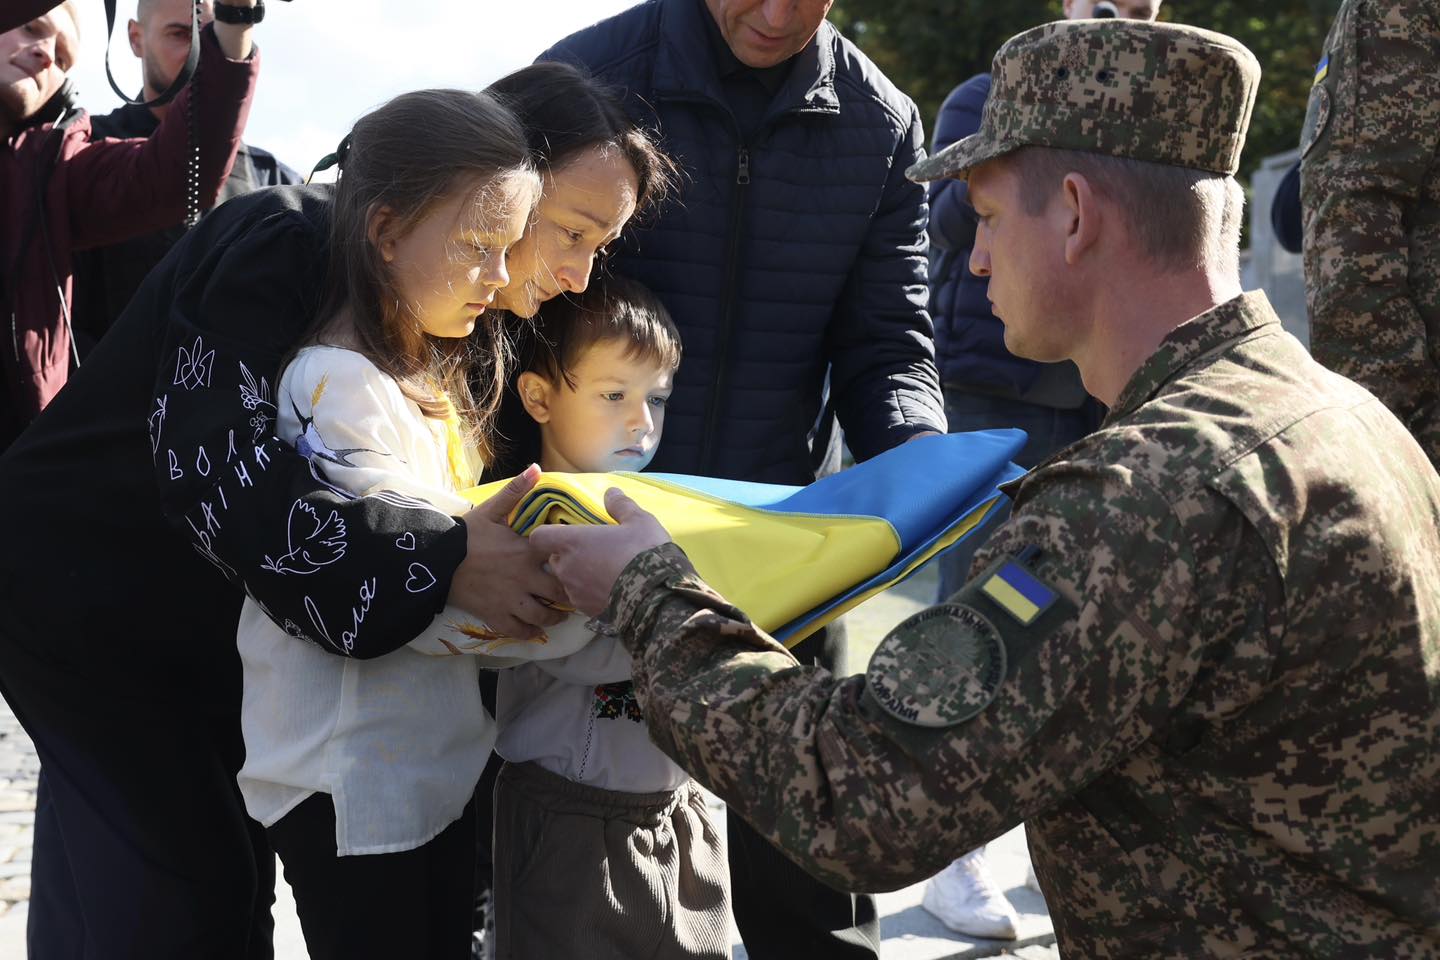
(398, 741)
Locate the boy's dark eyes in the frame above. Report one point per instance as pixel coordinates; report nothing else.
(616, 395)
(659, 401)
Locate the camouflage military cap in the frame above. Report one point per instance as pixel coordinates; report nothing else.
(1159, 92)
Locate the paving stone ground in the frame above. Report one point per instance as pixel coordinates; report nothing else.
(19, 773)
(908, 931)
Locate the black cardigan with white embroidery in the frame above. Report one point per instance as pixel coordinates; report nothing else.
(148, 495)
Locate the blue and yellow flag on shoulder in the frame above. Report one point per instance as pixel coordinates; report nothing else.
(1018, 592)
(795, 558)
(1322, 70)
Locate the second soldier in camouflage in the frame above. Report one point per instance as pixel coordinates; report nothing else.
(1370, 192)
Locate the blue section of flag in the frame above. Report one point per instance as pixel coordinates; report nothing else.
(895, 486)
(897, 570)
(1027, 586)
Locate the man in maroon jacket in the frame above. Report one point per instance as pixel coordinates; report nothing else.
(60, 193)
(93, 895)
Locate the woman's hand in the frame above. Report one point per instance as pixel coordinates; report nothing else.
(502, 579)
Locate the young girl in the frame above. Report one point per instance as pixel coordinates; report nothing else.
(362, 770)
(588, 812)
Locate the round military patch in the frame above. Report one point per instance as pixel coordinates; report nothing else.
(1317, 116)
(939, 667)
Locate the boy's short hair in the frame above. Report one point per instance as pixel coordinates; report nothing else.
(611, 308)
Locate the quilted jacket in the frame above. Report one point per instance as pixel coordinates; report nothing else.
(797, 250)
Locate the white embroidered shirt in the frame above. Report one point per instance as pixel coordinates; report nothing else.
(398, 741)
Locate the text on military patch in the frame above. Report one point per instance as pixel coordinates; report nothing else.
(939, 667)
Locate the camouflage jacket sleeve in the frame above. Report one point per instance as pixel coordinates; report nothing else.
(877, 781)
(1371, 135)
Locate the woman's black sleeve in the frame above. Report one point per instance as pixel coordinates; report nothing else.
(322, 564)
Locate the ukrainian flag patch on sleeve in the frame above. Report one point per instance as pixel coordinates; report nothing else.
(1018, 592)
(1322, 69)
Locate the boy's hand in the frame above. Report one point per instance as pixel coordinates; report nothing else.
(502, 579)
(588, 559)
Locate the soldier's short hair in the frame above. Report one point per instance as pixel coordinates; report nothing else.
(1183, 218)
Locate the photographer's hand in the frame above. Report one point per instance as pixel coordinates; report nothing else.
(234, 38)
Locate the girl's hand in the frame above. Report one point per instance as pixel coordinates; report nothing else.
(502, 579)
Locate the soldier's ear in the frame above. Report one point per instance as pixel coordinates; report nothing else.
(1079, 215)
(534, 393)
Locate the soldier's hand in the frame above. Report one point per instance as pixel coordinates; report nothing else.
(502, 579)
(588, 559)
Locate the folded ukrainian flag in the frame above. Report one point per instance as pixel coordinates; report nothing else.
(795, 558)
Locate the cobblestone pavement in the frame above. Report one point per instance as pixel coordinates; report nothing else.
(19, 774)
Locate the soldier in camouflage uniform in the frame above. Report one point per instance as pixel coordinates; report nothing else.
(1370, 191)
(1202, 659)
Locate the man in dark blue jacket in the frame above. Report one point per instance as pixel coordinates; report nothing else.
(1285, 211)
(796, 250)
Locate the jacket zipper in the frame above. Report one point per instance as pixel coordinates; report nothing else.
(727, 309)
(728, 294)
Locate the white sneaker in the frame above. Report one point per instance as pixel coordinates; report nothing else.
(965, 898)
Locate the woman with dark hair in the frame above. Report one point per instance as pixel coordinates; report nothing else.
(117, 648)
(598, 167)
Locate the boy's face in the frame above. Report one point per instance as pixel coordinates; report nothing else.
(612, 418)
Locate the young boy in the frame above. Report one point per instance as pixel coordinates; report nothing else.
(603, 846)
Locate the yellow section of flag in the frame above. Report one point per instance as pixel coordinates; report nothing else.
(775, 566)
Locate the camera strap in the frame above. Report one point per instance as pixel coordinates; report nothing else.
(192, 60)
(188, 74)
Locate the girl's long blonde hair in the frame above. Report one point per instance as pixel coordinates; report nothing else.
(408, 155)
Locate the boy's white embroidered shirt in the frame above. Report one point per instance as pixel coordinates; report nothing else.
(577, 717)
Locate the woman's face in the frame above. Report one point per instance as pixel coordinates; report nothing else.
(448, 267)
(583, 207)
